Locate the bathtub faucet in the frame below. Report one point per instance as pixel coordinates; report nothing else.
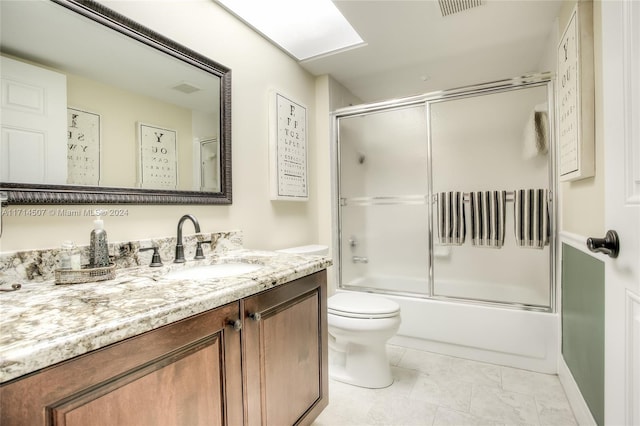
(359, 259)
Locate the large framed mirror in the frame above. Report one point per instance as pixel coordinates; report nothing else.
(99, 109)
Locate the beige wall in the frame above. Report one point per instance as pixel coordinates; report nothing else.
(323, 159)
(330, 95)
(257, 67)
(120, 111)
(582, 201)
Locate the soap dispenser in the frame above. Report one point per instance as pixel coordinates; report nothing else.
(98, 248)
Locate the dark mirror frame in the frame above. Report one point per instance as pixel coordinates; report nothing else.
(20, 193)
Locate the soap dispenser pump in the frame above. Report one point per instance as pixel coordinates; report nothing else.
(98, 248)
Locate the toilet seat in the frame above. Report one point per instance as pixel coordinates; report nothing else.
(361, 305)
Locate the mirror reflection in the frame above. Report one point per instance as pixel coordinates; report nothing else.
(85, 105)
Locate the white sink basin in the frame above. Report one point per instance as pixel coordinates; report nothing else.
(219, 270)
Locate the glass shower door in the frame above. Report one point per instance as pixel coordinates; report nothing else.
(480, 144)
(383, 211)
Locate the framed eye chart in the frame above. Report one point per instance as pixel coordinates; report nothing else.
(158, 168)
(83, 147)
(288, 149)
(575, 91)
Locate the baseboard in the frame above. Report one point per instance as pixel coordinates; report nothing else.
(545, 365)
(578, 404)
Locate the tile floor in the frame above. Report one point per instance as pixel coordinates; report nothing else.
(432, 389)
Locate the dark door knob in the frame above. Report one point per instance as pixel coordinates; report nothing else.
(609, 245)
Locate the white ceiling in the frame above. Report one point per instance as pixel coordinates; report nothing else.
(412, 49)
(47, 34)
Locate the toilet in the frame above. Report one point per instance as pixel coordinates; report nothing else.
(360, 324)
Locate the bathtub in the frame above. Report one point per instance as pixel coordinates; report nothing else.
(488, 333)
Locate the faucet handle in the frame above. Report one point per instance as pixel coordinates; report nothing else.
(155, 258)
(199, 253)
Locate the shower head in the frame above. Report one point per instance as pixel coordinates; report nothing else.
(360, 158)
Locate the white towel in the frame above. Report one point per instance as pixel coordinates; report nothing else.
(451, 221)
(531, 218)
(535, 133)
(487, 218)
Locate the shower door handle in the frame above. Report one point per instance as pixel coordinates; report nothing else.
(609, 245)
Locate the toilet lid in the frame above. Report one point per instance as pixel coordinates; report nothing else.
(362, 305)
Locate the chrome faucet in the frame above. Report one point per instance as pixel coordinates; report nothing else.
(179, 247)
(359, 259)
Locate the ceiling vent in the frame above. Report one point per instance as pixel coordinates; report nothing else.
(187, 88)
(449, 7)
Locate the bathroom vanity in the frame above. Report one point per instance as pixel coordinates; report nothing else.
(243, 349)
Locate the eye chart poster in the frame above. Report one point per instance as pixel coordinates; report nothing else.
(288, 149)
(158, 160)
(83, 147)
(575, 97)
(568, 97)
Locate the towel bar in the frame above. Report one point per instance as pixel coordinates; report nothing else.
(510, 197)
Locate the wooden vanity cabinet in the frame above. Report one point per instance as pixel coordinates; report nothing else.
(198, 371)
(285, 352)
(185, 373)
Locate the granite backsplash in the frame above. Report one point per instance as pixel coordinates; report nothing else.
(40, 265)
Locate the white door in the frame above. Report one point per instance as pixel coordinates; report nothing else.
(33, 122)
(209, 165)
(621, 103)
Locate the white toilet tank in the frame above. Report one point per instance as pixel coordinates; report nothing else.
(315, 249)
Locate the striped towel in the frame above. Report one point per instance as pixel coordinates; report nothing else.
(487, 218)
(531, 217)
(451, 222)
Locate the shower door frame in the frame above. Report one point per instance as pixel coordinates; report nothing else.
(426, 100)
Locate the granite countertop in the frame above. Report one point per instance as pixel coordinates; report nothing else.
(43, 323)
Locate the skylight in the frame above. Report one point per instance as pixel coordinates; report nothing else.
(303, 28)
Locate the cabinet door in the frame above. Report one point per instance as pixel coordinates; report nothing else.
(186, 373)
(285, 347)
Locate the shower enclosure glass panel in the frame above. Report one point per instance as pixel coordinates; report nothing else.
(394, 159)
(383, 193)
(485, 143)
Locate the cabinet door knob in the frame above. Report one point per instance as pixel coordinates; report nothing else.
(609, 245)
(237, 324)
(256, 316)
